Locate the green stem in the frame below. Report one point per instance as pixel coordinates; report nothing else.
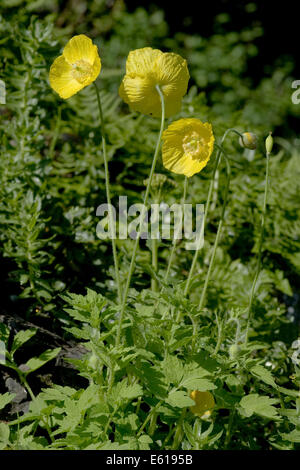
(175, 235)
(258, 267)
(133, 258)
(110, 215)
(154, 285)
(169, 435)
(229, 429)
(178, 433)
(217, 237)
(55, 134)
(220, 336)
(149, 416)
(192, 269)
(26, 384)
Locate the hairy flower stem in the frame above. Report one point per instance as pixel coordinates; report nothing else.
(217, 236)
(107, 187)
(148, 417)
(177, 234)
(146, 197)
(55, 134)
(258, 267)
(154, 285)
(179, 431)
(229, 429)
(154, 248)
(207, 206)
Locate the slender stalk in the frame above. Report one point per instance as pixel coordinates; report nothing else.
(154, 285)
(148, 417)
(176, 235)
(55, 134)
(258, 267)
(229, 429)
(23, 380)
(178, 433)
(217, 237)
(146, 197)
(211, 186)
(107, 188)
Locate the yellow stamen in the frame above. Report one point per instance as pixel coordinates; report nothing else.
(192, 144)
(82, 71)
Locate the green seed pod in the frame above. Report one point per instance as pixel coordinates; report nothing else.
(269, 143)
(248, 140)
(93, 361)
(233, 351)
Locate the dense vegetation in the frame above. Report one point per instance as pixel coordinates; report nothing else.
(64, 383)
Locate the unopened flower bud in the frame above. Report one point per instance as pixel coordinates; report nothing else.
(233, 351)
(269, 143)
(248, 140)
(93, 361)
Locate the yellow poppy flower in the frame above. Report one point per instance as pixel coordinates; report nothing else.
(146, 68)
(187, 146)
(77, 67)
(204, 403)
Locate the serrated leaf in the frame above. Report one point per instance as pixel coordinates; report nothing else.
(144, 442)
(195, 378)
(4, 435)
(263, 374)
(173, 369)
(37, 362)
(198, 384)
(5, 399)
(124, 392)
(293, 436)
(4, 333)
(180, 399)
(21, 338)
(259, 404)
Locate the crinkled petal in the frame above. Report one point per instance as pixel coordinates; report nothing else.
(181, 163)
(176, 157)
(172, 74)
(141, 61)
(61, 79)
(141, 95)
(80, 48)
(146, 68)
(95, 70)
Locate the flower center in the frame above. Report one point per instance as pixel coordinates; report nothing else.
(82, 70)
(192, 144)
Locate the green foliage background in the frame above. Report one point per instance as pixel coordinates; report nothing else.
(59, 307)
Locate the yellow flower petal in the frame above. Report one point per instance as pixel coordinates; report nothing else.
(139, 94)
(187, 146)
(141, 61)
(204, 403)
(78, 67)
(80, 48)
(61, 79)
(173, 75)
(146, 68)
